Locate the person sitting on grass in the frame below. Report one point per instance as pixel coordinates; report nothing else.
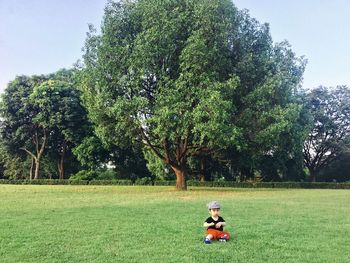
(215, 225)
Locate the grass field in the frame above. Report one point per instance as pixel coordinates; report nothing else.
(158, 224)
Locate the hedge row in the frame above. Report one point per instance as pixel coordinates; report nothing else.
(303, 185)
(45, 182)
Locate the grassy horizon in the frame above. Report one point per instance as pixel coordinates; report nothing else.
(66, 223)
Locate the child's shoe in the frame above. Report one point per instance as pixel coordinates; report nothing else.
(223, 238)
(207, 241)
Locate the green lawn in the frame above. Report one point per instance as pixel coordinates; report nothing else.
(158, 224)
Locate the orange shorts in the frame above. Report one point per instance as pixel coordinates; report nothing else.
(219, 234)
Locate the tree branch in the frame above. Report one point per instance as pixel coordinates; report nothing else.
(144, 136)
(29, 152)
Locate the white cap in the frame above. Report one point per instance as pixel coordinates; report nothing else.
(213, 205)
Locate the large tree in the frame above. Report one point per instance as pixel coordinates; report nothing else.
(330, 127)
(170, 75)
(159, 76)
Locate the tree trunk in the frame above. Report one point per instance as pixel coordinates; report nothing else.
(313, 175)
(38, 159)
(37, 169)
(39, 152)
(61, 162)
(59, 168)
(31, 170)
(202, 170)
(180, 177)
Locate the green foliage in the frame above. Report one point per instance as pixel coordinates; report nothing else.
(329, 135)
(94, 155)
(12, 166)
(157, 167)
(89, 175)
(338, 171)
(91, 153)
(84, 175)
(107, 175)
(111, 182)
(154, 87)
(58, 106)
(17, 113)
(48, 168)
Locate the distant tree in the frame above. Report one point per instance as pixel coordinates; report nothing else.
(330, 128)
(59, 111)
(337, 171)
(19, 132)
(42, 114)
(285, 159)
(268, 107)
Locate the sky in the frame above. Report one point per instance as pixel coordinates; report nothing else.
(42, 36)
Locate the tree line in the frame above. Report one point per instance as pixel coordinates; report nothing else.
(177, 90)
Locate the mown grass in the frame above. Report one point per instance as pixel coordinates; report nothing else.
(66, 223)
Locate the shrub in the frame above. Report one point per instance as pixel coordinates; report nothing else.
(107, 175)
(110, 182)
(144, 181)
(165, 183)
(78, 182)
(84, 175)
(148, 181)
